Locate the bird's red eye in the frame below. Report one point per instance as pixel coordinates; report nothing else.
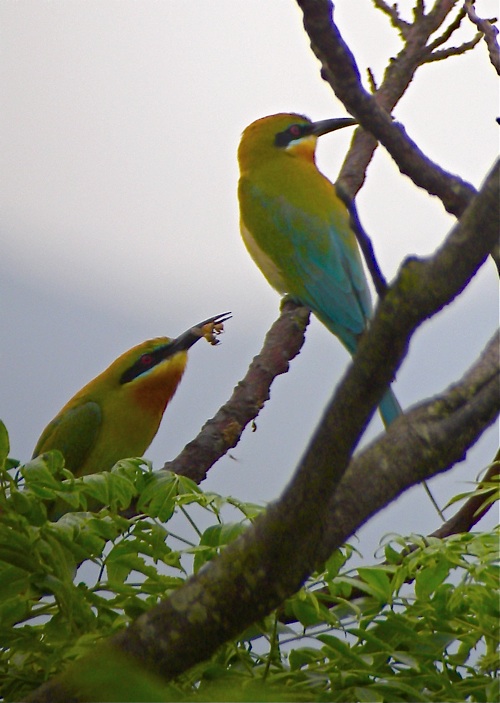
(291, 133)
(146, 359)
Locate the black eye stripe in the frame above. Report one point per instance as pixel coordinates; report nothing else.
(147, 361)
(290, 134)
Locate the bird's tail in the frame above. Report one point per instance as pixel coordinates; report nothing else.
(389, 408)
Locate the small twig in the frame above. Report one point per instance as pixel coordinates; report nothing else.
(419, 10)
(452, 27)
(392, 12)
(371, 80)
(340, 70)
(442, 54)
(365, 243)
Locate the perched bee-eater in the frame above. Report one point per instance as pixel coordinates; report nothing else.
(118, 414)
(297, 229)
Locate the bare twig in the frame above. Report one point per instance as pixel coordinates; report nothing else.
(441, 54)
(393, 13)
(418, 10)
(371, 80)
(449, 30)
(365, 244)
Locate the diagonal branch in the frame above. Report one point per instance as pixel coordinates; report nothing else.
(420, 441)
(448, 32)
(222, 432)
(426, 438)
(365, 244)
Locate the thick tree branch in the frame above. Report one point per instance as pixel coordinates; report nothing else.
(434, 434)
(273, 557)
(425, 438)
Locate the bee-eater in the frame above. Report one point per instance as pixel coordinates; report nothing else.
(118, 413)
(297, 229)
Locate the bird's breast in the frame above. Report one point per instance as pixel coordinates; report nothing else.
(263, 261)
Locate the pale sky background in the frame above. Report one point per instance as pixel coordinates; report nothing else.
(119, 218)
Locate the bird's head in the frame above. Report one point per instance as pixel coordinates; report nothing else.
(284, 133)
(151, 371)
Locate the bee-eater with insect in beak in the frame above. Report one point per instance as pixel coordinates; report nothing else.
(117, 415)
(297, 229)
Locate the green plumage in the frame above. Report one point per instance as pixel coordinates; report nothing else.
(297, 229)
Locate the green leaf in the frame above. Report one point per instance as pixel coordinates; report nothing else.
(378, 579)
(306, 611)
(392, 555)
(158, 497)
(335, 644)
(303, 657)
(40, 472)
(112, 489)
(368, 695)
(334, 564)
(4, 444)
(431, 576)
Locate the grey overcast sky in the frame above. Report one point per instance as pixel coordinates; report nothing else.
(119, 220)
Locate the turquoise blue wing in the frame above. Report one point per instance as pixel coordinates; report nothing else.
(319, 259)
(74, 433)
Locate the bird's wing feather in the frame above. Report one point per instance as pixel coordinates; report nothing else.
(319, 259)
(73, 432)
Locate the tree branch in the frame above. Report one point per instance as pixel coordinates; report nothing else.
(340, 70)
(222, 432)
(442, 54)
(274, 556)
(473, 510)
(413, 448)
(489, 32)
(426, 438)
(448, 32)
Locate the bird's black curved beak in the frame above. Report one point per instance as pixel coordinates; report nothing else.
(325, 126)
(208, 328)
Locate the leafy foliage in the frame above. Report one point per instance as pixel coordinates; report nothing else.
(423, 626)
